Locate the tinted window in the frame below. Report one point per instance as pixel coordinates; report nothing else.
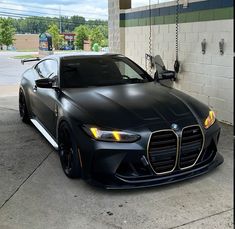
(100, 71)
(47, 68)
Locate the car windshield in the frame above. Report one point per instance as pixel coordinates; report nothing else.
(100, 71)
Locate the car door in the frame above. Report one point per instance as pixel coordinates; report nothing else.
(45, 99)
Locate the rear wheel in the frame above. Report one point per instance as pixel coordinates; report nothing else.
(24, 114)
(68, 152)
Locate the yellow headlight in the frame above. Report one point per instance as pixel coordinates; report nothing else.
(98, 133)
(209, 120)
(110, 135)
(95, 132)
(116, 135)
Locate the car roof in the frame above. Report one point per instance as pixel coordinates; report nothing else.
(79, 54)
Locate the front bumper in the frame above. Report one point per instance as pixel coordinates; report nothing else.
(121, 166)
(121, 183)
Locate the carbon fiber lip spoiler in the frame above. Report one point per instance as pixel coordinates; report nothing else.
(30, 60)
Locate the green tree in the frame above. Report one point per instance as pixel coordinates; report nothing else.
(104, 43)
(97, 36)
(104, 30)
(0, 35)
(36, 24)
(96, 47)
(75, 21)
(7, 31)
(57, 39)
(82, 33)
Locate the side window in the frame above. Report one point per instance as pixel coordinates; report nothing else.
(47, 69)
(40, 69)
(52, 68)
(126, 70)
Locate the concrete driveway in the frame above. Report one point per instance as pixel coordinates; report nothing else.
(34, 192)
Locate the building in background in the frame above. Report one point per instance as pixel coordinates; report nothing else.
(207, 77)
(28, 42)
(87, 45)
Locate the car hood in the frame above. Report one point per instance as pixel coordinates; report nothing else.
(125, 106)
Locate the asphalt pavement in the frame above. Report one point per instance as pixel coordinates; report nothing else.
(35, 193)
(10, 68)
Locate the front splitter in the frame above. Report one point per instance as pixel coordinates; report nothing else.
(121, 183)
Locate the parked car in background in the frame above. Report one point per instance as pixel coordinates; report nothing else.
(105, 49)
(67, 47)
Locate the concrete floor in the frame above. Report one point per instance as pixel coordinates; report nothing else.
(34, 192)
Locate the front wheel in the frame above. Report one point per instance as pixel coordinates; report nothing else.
(68, 152)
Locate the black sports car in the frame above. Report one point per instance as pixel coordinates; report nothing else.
(114, 125)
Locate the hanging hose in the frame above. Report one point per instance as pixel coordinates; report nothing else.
(177, 64)
(150, 28)
(148, 57)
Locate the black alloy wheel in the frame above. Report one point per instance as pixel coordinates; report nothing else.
(68, 152)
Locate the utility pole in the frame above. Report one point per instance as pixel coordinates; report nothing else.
(60, 19)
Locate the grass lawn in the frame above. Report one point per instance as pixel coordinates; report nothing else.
(24, 56)
(26, 50)
(28, 56)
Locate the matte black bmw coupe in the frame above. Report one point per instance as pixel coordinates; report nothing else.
(114, 125)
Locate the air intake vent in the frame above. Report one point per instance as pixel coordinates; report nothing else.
(191, 146)
(162, 151)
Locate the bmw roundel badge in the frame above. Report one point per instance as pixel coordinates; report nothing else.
(174, 126)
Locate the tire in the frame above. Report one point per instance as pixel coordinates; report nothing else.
(24, 114)
(68, 152)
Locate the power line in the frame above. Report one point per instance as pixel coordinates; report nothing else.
(52, 9)
(24, 16)
(19, 14)
(60, 20)
(3, 8)
(42, 14)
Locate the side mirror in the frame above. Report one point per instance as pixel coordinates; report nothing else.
(44, 83)
(164, 75)
(161, 72)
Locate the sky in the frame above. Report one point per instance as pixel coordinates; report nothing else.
(90, 9)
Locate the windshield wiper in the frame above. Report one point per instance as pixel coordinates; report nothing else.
(109, 84)
(136, 80)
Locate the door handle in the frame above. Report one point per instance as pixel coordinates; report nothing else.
(35, 88)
